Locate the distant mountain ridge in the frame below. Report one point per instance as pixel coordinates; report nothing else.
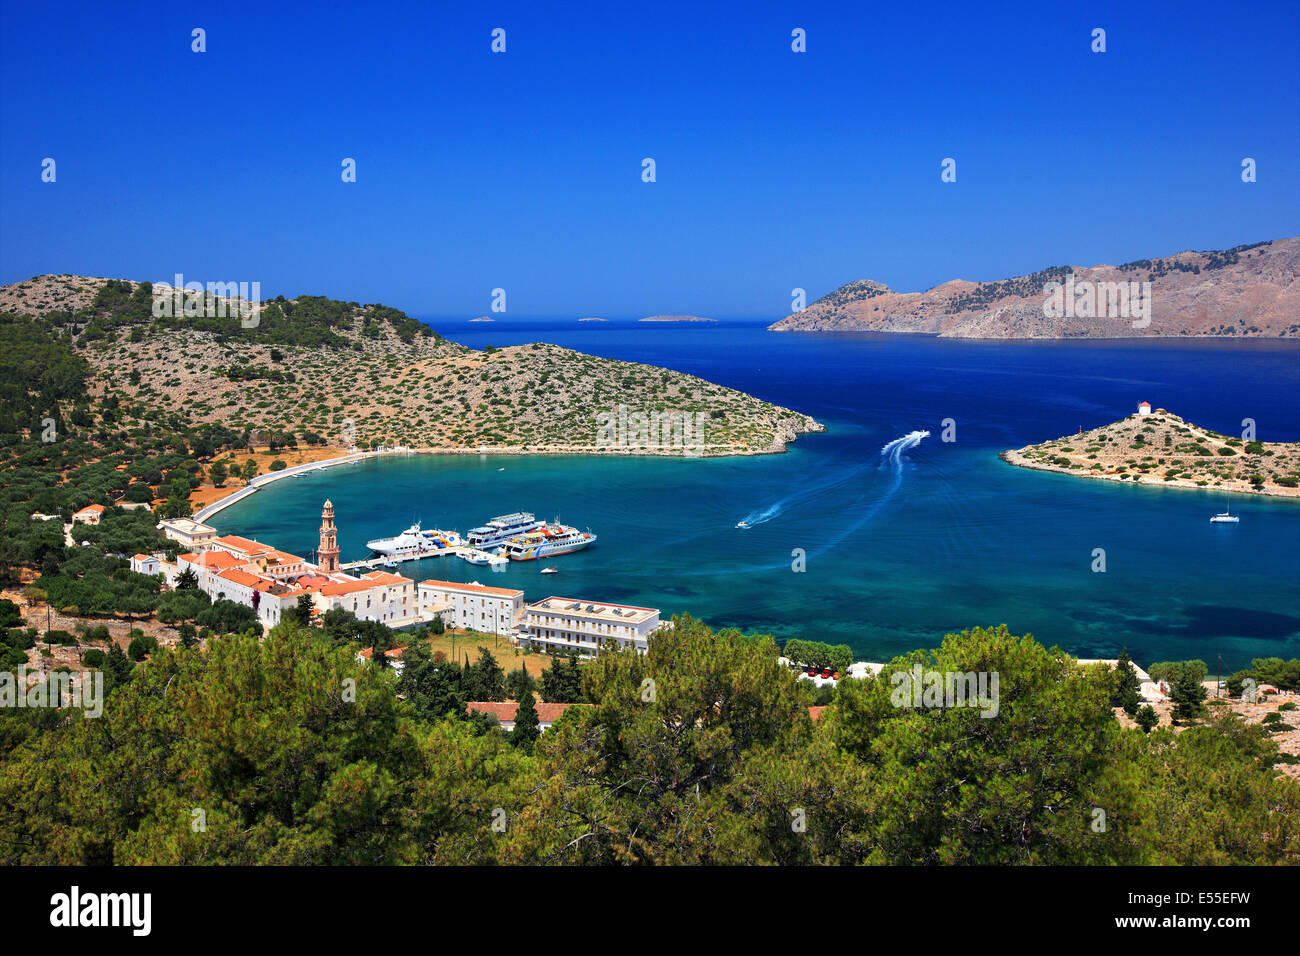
(1251, 291)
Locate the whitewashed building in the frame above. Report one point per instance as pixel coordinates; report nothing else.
(474, 606)
(89, 514)
(563, 625)
(146, 564)
(190, 534)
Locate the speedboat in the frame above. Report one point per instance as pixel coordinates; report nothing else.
(550, 570)
(742, 524)
(1225, 518)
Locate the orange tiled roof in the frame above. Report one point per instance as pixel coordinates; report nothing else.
(478, 588)
(247, 545)
(383, 577)
(369, 652)
(346, 587)
(92, 508)
(240, 577)
(217, 559)
(505, 710)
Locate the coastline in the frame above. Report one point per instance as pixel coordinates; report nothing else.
(239, 494)
(1014, 457)
(779, 447)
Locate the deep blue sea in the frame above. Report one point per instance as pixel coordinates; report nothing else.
(895, 556)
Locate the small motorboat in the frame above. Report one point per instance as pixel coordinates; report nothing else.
(1225, 518)
(550, 570)
(742, 524)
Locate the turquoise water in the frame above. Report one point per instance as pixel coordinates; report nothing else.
(895, 555)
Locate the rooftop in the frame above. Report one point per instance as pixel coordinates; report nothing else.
(473, 587)
(384, 577)
(237, 576)
(505, 710)
(247, 545)
(622, 613)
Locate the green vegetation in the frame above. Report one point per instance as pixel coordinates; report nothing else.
(836, 657)
(300, 754)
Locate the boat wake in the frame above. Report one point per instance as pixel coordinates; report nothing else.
(891, 458)
(892, 453)
(758, 517)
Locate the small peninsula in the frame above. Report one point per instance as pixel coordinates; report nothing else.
(1160, 448)
(367, 376)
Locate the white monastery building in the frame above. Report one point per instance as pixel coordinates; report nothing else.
(475, 606)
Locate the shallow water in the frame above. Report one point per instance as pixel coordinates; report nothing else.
(897, 551)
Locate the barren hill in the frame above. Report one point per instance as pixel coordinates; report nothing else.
(1249, 290)
(370, 374)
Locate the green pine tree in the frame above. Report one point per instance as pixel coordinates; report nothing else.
(1127, 685)
(1147, 719)
(527, 727)
(1187, 694)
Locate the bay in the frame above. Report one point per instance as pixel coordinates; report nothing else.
(893, 557)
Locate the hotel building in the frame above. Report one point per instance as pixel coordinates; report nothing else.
(563, 625)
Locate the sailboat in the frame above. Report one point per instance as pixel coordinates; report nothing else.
(1225, 518)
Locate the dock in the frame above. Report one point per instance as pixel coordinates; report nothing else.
(371, 564)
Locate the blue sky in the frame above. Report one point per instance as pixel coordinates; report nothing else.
(522, 170)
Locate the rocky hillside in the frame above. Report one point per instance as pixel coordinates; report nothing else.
(1249, 290)
(370, 374)
(1163, 449)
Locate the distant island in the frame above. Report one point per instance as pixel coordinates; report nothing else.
(675, 318)
(1159, 448)
(1248, 291)
(593, 320)
(483, 318)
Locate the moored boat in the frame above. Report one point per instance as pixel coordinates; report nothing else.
(548, 541)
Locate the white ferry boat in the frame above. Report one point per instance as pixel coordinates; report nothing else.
(1226, 518)
(501, 529)
(414, 541)
(548, 541)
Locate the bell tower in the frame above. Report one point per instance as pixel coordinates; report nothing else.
(327, 556)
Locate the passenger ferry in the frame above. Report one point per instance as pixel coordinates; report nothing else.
(501, 529)
(414, 541)
(547, 541)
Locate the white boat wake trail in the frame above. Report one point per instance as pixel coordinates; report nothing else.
(891, 459)
(762, 515)
(892, 453)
